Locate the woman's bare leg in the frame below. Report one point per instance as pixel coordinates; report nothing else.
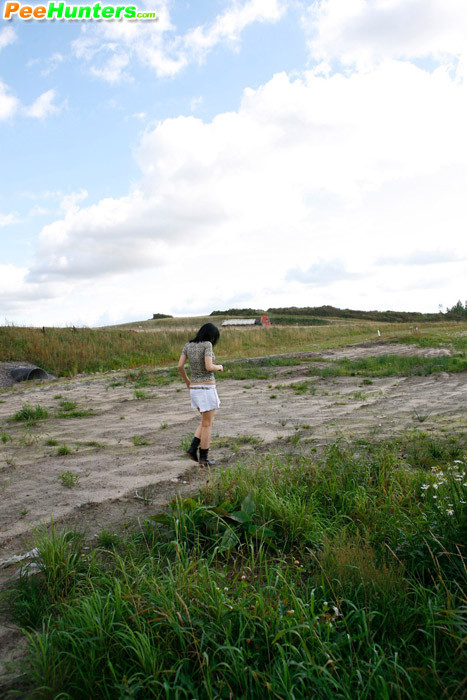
(198, 429)
(204, 430)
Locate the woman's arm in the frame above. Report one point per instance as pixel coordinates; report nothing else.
(210, 367)
(181, 369)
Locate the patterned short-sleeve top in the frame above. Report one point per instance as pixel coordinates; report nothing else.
(196, 352)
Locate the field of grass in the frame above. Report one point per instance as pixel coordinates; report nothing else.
(288, 576)
(66, 352)
(392, 365)
(292, 574)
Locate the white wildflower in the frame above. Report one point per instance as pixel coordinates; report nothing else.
(425, 486)
(450, 512)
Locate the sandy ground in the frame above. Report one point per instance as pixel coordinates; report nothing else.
(118, 481)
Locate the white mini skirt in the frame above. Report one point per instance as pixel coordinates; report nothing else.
(204, 397)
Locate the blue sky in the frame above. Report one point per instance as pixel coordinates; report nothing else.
(234, 153)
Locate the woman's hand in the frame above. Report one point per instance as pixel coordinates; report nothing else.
(210, 366)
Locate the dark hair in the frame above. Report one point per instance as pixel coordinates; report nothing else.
(207, 332)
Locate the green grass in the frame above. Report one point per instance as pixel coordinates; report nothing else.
(67, 405)
(68, 410)
(436, 339)
(286, 577)
(31, 414)
(140, 394)
(301, 388)
(65, 352)
(79, 413)
(393, 365)
(185, 441)
(241, 371)
(138, 441)
(63, 450)
(143, 378)
(235, 442)
(425, 451)
(69, 479)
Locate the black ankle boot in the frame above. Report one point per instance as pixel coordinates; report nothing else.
(192, 451)
(203, 458)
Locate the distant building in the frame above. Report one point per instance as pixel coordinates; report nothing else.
(261, 321)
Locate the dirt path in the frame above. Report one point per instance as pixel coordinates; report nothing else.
(110, 468)
(118, 480)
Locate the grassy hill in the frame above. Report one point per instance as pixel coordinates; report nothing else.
(158, 341)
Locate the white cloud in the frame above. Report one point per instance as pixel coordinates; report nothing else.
(42, 194)
(43, 106)
(365, 32)
(50, 63)
(228, 26)
(39, 211)
(110, 46)
(69, 202)
(346, 189)
(195, 103)
(322, 273)
(11, 277)
(8, 103)
(7, 36)
(307, 173)
(16, 294)
(421, 257)
(113, 71)
(8, 220)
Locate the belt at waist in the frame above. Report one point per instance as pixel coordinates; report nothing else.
(210, 386)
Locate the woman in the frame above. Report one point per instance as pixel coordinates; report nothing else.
(202, 387)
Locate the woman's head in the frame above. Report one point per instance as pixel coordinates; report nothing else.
(207, 332)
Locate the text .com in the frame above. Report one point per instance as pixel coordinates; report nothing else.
(63, 11)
